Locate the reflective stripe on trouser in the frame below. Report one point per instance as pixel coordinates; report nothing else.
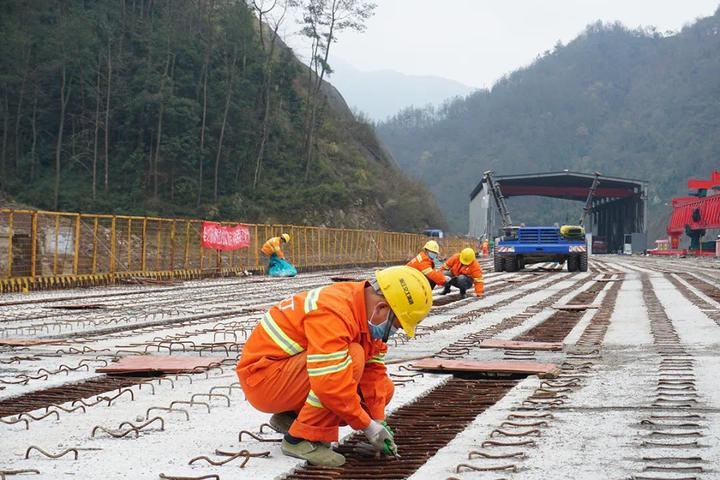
(286, 387)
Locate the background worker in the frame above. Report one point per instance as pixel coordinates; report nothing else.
(464, 271)
(316, 360)
(425, 263)
(273, 246)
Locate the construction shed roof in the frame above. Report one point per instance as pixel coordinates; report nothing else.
(566, 184)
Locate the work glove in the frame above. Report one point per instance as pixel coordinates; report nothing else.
(447, 279)
(381, 437)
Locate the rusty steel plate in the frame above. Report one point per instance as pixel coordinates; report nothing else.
(518, 345)
(87, 306)
(511, 366)
(26, 342)
(159, 364)
(575, 307)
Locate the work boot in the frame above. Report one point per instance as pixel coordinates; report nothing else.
(462, 293)
(446, 289)
(316, 453)
(282, 421)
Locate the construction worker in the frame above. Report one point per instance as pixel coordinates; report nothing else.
(464, 271)
(315, 361)
(273, 247)
(485, 247)
(425, 263)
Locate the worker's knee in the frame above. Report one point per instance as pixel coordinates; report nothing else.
(463, 282)
(389, 390)
(357, 354)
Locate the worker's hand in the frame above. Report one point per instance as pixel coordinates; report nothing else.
(380, 437)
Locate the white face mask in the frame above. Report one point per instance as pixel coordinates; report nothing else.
(378, 331)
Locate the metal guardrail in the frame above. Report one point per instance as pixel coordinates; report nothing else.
(42, 249)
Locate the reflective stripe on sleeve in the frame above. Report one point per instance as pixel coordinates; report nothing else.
(313, 400)
(324, 357)
(377, 359)
(426, 271)
(478, 280)
(314, 372)
(311, 299)
(287, 344)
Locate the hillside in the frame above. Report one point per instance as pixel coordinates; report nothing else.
(626, 103)
(382, 93)
(183, 108)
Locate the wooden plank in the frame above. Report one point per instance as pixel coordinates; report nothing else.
(516, 345)
(511, 366)
(161, 364)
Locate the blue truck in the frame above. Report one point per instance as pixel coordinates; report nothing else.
(520, 245)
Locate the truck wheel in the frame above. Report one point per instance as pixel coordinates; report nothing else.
(511, 264)
(583, 264)
(499, 263)
(572, 263)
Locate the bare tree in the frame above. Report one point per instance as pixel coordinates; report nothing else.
(97, 128)
(228, 97)
(323, 21)
(205, 73)
(266, 13)
(107, 116)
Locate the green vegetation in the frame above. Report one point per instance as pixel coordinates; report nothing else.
(188, 108)
(624, 102)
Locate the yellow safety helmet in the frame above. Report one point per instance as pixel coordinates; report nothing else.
(432, 246)
(408, 293)
(285, 237)
(467, 255)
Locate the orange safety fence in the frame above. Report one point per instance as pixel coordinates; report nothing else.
(40, 249)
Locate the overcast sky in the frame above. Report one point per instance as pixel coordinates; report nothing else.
(477, 41)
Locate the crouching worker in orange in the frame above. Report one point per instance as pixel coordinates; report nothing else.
(464, 272)
(425, 263)
(272, 248)
(315, 361)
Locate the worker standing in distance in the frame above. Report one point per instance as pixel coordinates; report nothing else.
(315, 361)
(273, 246)
(464, 271)
(425, 263)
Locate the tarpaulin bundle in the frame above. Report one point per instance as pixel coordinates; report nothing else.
(280, 267)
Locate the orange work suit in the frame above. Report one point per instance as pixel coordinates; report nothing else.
(426, 266)
(485, 248)
(313, 354)
(473, 271)
(273, 246)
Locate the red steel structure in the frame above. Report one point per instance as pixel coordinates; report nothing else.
(696, 213)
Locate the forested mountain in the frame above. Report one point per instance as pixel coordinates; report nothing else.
(624, 102)
(382, 93)
(184, 107)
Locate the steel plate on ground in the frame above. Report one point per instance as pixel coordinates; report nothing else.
(159, 364)
(517, 345)
(512, 366)
(27, 342)
(572, 307)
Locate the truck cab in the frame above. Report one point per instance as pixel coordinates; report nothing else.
(521, 245)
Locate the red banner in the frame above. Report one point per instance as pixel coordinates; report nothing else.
(218, 237)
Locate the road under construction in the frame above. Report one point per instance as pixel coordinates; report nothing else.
(635, 394)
